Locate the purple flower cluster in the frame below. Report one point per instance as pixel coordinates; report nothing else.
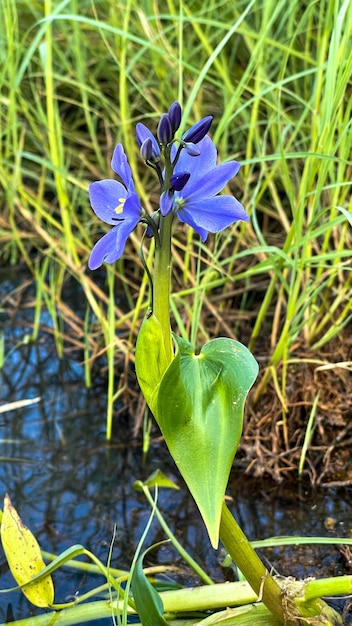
(190, 181)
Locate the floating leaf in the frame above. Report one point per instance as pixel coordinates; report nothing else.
(199, 407)
(24, 557)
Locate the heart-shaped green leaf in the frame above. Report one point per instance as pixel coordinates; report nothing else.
(199, 407)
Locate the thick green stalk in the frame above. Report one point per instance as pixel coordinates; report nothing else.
(162, 277)
(293, 603)
(242, 553)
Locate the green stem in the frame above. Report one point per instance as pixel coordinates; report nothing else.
(337, 586)
(162, 276)
(242, 553)
(300, 599)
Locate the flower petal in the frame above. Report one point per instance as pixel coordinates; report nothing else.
(132, 209)
(105, 196)
(213, 214)
(104, 250)
(186, 218)
(212, 183)
(111, 246)
(199, 165)
(120, 165)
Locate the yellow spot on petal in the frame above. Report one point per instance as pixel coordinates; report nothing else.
(119, 208)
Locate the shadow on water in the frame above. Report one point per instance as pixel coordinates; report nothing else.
(70, 487)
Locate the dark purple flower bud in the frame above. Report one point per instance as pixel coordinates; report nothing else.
(164, 132)
(198, 131)
(175, 115)
(178, 181)
(166, 202)
(147, 149)
(191, 149)
(143, 133)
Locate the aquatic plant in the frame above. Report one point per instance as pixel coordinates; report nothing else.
(196, 395)
(291, 110)
(277, 84)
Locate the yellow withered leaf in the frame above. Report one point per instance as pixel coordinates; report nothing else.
(24, 557)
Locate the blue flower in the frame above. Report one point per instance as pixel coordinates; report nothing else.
(118, 204)
(198, 204)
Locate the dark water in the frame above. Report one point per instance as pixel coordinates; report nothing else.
(70, 487)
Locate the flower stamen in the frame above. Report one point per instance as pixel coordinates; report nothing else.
(119, 208)
(179, 203)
